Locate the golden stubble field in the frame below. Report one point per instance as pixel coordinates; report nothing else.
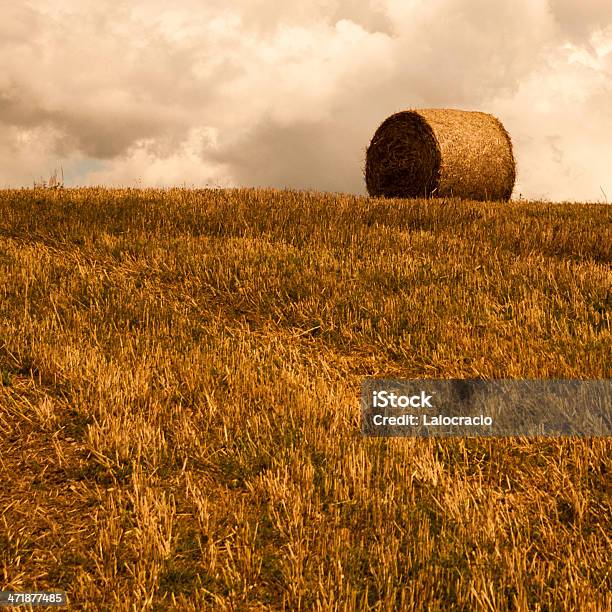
(179, 400)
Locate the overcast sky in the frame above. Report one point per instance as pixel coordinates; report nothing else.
(288, 94)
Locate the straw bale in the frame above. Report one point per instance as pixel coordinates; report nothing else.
(437, 152)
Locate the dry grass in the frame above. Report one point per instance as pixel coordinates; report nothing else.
(179, 407)
(443, 153)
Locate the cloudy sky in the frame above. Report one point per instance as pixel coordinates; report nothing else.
(259, 92)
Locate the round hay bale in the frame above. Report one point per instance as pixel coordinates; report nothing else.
(438, 152)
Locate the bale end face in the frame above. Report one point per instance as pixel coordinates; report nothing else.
(403, 159)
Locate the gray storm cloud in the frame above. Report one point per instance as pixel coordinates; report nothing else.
(579, 19)
(288, 95)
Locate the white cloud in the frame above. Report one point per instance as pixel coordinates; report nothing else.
(561, 118)
(262, 93)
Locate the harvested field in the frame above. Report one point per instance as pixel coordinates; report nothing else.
(179, 401)
(441, 153)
